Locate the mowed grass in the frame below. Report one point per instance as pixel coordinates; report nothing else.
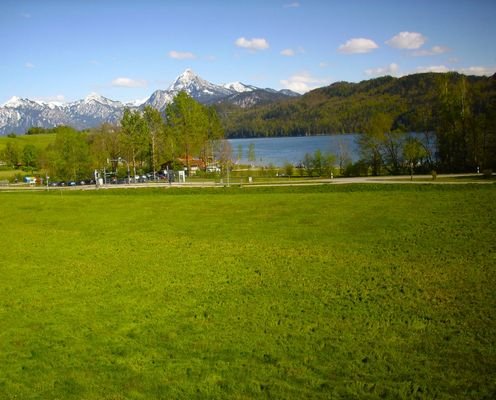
(317, 292)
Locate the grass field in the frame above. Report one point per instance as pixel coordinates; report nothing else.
(289, 293)
(40, 141)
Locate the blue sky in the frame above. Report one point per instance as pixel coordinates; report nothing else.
(124, 50)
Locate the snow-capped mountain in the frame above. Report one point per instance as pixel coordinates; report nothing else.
(159, 99)
(18, 114)
(94, 109)
(239, 87)
(206, 92)
(198, 88)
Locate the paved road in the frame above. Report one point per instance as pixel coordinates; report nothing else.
(418, 179)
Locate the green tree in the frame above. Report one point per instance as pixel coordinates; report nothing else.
(239, 154)
(308, 164)
(155, 131)
(29, 155)
(215, 132)
(318, 162)
(11, 154)
(251, 153)
(187, 120)
(70, 157)
(289, 169)
(134, 137)
(105, 144)
(370, 152)
(328, 164)
(378, 141)
(413, 152)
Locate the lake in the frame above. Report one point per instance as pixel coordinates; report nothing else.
(281, 150)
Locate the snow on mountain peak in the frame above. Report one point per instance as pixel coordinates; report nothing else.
(137, 102)
(187, 79)
(239, 87)
(188, 74)
(197, 87)
(19, 114)
(14, 102)
(94, 97)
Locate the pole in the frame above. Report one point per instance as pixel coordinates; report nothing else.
(228, 175)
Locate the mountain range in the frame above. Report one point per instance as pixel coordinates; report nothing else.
(19, 114)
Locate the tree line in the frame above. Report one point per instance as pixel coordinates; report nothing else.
(454, 117)
(458, 111)
(145, 139)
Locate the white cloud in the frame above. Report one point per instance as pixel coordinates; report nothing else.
(252, 44)
(436, 50)
(323, 64)
(288, 52)
(407, 40)
(433, 68)
(292, 52)
(294, 4)
(128, 82)
(303, 82)
(392, 69)
(181, 55)
(479, 71)
(29, 65)
(358, 45)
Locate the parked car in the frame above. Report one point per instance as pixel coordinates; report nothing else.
(213, 168)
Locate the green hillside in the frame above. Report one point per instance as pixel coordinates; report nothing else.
(40, 141)
(415, 103)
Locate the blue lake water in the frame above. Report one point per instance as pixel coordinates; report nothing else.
(281, 150)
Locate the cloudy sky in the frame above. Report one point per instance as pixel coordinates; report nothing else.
(124, 50)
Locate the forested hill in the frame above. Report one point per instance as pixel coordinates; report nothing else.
(415, 102)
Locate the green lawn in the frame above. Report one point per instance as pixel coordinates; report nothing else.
(287, 293)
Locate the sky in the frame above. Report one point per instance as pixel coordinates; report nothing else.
(125, 50)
